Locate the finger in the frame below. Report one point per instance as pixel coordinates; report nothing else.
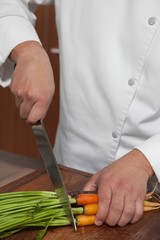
(18, 101)
(116, 208)
(103, 204)
(37, 112)
(17, 94)
(138, 211)
(25, 108)
(128, 212)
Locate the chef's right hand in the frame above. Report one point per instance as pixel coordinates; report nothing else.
(32, 81)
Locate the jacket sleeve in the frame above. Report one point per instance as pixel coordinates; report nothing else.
(150, 148)
(17, 22)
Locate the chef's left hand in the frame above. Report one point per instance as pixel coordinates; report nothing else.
(121, 188)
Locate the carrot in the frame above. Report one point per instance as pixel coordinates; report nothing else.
(151, 204)
(84, 220)
(150, 194)
(146, 209)
(90, 209)
(86, 198)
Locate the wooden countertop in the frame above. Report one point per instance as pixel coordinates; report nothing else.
(146, 229)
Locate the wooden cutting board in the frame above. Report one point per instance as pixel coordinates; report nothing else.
(146, 229)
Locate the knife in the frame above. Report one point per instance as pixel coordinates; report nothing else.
(52, 168)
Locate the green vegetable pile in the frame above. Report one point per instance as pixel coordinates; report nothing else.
(19, 210)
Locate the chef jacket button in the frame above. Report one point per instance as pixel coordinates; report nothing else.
(131, 82)
(152, 21)
(114, 135)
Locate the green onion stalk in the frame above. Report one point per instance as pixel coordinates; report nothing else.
(19, 210)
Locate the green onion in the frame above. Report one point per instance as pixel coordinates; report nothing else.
(19, 210)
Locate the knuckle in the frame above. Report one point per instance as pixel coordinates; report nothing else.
(12, 88)
(116, 209)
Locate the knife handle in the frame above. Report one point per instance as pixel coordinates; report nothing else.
(75, 193)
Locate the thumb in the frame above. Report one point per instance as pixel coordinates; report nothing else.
(91, 185)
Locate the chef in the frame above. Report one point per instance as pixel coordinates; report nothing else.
(109, 92)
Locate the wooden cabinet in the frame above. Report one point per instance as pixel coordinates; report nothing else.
(15, 135)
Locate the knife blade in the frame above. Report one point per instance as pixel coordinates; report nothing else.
(52, 168)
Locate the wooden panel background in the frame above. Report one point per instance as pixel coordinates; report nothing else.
(15, 135)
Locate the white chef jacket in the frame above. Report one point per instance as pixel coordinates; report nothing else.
(110, 76)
